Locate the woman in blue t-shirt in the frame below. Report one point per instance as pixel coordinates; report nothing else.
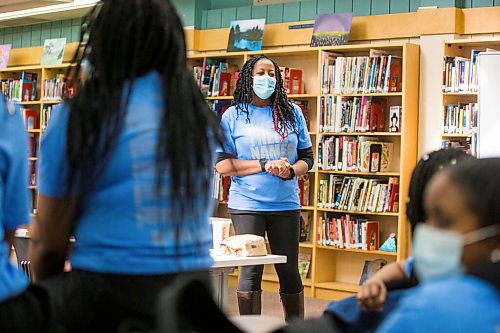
(267, 146)
(126, 166)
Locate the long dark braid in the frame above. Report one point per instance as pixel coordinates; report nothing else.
(126, 40)
(283, 112)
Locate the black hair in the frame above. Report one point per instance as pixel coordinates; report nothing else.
(126, 40)
(425, 169)
(283, 112)
(479, 181)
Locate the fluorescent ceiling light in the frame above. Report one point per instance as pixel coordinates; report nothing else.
(52, 10)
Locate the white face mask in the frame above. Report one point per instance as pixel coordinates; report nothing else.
(438, 252)
(264, 86)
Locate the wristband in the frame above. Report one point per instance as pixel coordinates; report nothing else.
(292, 174)
(262, 163)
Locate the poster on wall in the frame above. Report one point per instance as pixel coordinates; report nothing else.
(331, 29)
(4, 55)
(246, 35)
(53, 52)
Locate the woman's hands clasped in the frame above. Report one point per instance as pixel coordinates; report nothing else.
(279, 168)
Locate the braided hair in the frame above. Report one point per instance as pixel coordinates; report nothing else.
(283, 111)
(124, 41)
(425, 169)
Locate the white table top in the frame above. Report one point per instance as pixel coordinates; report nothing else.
(234, 261)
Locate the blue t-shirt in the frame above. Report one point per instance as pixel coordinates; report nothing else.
(119, 229)
(453, 304)
(14, 206)
(257, 139)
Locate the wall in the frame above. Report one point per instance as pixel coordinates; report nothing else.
(224, 11)
(34, 35)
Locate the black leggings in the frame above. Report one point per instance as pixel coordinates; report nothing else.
(283, 233)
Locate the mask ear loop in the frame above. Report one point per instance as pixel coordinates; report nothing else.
(481, 234)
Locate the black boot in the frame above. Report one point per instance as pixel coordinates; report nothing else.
(249, 302)
(293, 305)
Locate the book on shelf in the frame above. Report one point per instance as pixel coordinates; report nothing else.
(359, 194)
(304, 189)
(4, 55)
(348, 232)
(53, 88)
(21, 90)
(305, 227)
(46, 115)
(395, 113)
(460, 118)
(354, 154)
(292, 80)
(460, 73)
(304, 264)
(352, 114)
(33, 172)
(30, 119)
(467, 144)
(377, 73)
(32, 144)
(221, 187)
(220, 106)
(371, 267)
(303, 105)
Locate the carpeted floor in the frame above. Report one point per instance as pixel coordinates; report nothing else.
(271, 305)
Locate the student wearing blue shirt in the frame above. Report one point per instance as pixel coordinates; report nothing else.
(20, 305)
(267, 146)
(456, 255)
(126, 167)
(380, 293)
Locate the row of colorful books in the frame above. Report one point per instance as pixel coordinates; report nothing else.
(460, 74)
(222, 184)
(359, 194)
(21, 90)
(380, 72)
(355, 114)
(460, 118)
(348, 232)
(468, 144)
(355, 154)
(53, 88)
(221, 187)
(215, 77)
(292, 80)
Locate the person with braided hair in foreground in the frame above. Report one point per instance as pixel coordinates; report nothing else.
(267, 146)
(126, 166)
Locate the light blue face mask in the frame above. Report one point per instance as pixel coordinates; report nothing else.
(438, 252)
(264, 86)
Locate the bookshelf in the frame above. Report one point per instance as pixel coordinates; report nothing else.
(38, 107)
(460, 92)
(334, 272)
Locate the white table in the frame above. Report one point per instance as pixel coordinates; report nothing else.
(225, 264)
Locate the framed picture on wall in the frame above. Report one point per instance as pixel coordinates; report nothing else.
(246, 35)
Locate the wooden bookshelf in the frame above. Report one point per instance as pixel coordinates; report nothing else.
(15, 70)
(335, 273)
(462, 48)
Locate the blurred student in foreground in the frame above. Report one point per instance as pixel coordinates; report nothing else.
(126, 166)
(456, 255)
